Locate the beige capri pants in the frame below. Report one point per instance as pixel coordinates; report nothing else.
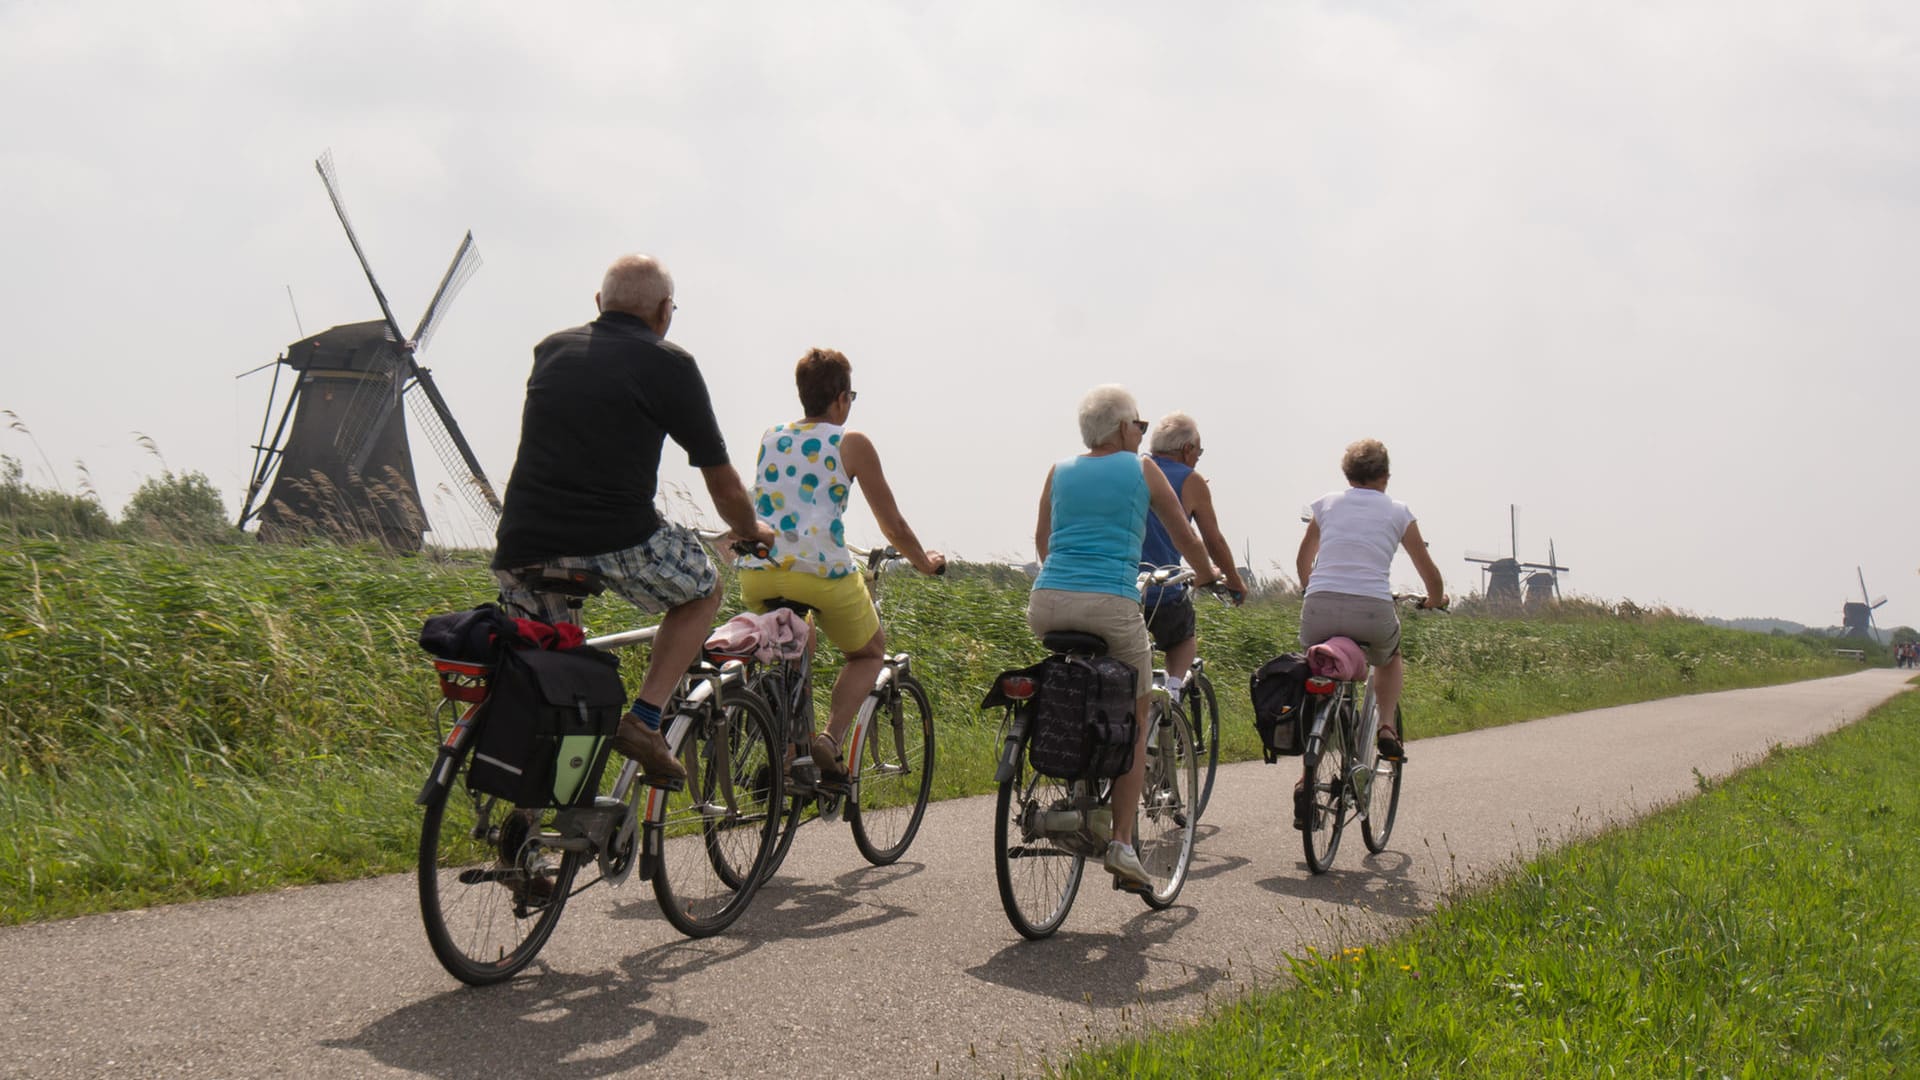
(1111, 616)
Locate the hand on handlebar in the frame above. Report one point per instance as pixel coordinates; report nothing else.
(936, 564)
(1428, 603)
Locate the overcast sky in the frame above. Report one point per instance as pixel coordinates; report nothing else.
(1646, 271)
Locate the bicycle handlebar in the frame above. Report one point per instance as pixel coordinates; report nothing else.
(1167, 577)
(1419, 601)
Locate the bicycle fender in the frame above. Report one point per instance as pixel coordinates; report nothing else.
(1010, 749)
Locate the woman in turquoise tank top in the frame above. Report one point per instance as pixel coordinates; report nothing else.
(1093, 515)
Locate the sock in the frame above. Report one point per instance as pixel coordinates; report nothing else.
(648, 714)
(1174, 683)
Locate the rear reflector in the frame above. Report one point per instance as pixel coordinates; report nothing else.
(1320, 684)
(1018, 687)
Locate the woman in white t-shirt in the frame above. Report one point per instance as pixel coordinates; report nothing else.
(1344, 563)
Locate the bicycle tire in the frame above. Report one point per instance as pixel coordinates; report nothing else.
(1163, 830)
(898, 757)
(1038, 892)
(1325, 768)
(480, 929)
(771, 689)
(1203, 716)
(1376, 828)
(710, 864)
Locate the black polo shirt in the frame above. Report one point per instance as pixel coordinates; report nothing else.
(601, 402)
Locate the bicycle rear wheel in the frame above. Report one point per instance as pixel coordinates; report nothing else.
(1203, 713)
(1037, 879)
(490, 895)
(1378, 824)
(1164, 830)
(718, 831)
(1326, 773)
(894, 774)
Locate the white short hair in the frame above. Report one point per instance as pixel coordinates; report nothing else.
(1102, 412)
(635, 284)
(1174, 432)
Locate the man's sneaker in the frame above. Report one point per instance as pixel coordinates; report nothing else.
(648, 747)
(826, 757)
(1388, 742)
(1302, 804)
(1125, 867)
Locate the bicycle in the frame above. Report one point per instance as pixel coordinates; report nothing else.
(1344, 769)
(1045, 828)
(491, 890)
(1196, 694)
(890, 763)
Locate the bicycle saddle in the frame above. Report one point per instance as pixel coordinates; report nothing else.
(795, 606)
(1074, 641)
(567, 581)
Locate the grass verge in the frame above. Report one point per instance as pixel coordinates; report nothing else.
(1763, 929)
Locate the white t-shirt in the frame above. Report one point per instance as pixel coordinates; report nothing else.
(1360, 529)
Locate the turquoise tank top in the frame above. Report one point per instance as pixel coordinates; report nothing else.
(1099, 517)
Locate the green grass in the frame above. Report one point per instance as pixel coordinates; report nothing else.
(181, 721)
(1765, 929)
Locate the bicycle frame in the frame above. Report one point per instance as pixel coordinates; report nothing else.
(1352, 703)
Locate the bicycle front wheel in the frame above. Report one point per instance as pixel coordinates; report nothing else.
(1378, 825)
(1038, 879)
(894, 774)
(1203, 714)
(1326, 775)
(717, 831)
(490, 894)
(1164, 830)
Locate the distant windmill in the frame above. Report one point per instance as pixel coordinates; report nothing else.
(344, 467)
(1501, 576)
(1858, 618)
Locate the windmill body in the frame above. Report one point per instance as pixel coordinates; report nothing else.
(343, 378)
(338, 462)
(1856, 618)
(1507, 582)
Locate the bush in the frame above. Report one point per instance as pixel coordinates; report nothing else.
(182, 508)
(29, 511)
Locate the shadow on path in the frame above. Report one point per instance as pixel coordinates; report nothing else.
(1103, 970)
(1381, 883)
(563, 1025)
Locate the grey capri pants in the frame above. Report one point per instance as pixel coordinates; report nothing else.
(1371, 622)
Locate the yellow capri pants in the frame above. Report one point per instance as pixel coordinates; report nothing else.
(843, 607)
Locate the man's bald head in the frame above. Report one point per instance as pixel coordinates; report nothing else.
(637, 285)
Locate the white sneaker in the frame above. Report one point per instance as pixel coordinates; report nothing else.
(1125, 867)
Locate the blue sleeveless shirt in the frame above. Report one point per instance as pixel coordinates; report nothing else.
(1158, 550)
(1098, 517)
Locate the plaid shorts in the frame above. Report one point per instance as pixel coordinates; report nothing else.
(662, 572)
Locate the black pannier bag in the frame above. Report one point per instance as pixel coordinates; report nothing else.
(1083, 724)
(541, 728)
(1279, 704)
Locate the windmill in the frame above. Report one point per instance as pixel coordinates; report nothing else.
(1858, 618)
(338, 460)
(1502, 577)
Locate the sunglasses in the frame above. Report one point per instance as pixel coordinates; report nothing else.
(1140, 426)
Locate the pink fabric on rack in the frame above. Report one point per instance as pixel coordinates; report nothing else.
(776, 635)
(1338, 658)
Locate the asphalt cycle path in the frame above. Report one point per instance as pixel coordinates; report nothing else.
(844, 969)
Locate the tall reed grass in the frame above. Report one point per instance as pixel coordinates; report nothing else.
(179, 721)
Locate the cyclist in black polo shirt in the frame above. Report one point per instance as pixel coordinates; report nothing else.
(601, 402)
